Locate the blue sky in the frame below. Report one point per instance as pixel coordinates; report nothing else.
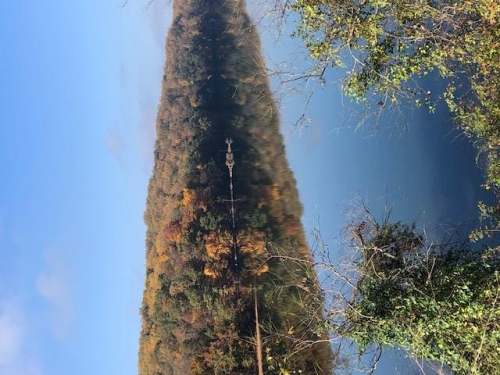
(79, 85)
(79, 90)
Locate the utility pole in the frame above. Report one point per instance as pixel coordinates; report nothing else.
(234, 247)
(258, 341)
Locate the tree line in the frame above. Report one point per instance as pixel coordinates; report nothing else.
(215, 87)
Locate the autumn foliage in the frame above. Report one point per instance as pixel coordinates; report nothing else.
(198, 306)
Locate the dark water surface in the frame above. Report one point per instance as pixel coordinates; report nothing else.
(408, 160)
(414, 163)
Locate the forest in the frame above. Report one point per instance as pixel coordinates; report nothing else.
(219, 296)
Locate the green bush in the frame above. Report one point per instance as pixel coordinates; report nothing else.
(439, 301)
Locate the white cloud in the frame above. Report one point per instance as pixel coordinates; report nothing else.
(147, 135)
(11, 332)
(160, 14)
(115, 144)
(52, 285)
(15, 358)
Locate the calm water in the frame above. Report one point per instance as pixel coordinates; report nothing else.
(410, 161)
(419, 166)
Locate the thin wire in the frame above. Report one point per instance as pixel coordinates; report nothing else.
(230, 164)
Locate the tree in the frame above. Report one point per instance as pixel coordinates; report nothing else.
(386, 44)
(440, 301)
(385, 47)
(393, 287)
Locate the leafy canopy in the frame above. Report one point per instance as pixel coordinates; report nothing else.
(386, 46)
(440, 301)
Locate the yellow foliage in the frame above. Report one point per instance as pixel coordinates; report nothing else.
(193, 102)
(173, 232)
(160, 249)
(184, 82)
(252, 243)
(275, 192)
(249, 79)
(216, 249)
(262, 269)
(187, 197)
(490, 10)
(152, 286)
(163, 257)
(212, 249)
(210, 273)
